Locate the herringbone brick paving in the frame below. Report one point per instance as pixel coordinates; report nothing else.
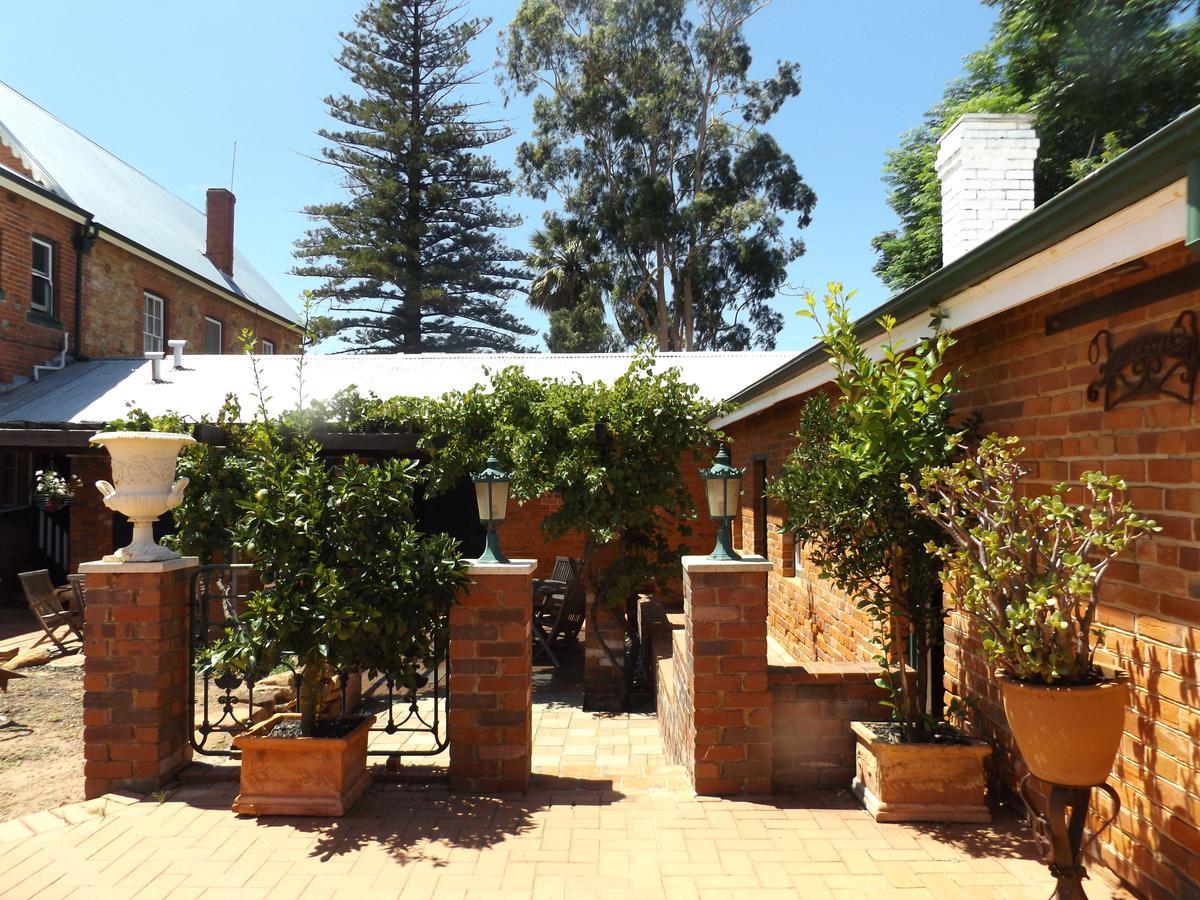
(605, 817)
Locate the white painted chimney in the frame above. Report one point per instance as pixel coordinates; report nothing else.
(177, 351)
(985, 163)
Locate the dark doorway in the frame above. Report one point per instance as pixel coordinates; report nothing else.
(760, 507)
(453, 513)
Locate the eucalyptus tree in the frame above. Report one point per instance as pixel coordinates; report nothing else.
(412, 256)
(649, 130)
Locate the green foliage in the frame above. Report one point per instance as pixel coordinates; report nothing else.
(611, 453)
(412, 257)
(1027, 570)
(351, 584)
(648, 128)
(844, 499)
(581, 329)
(1097, 76)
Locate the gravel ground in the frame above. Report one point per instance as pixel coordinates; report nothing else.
(41, 749)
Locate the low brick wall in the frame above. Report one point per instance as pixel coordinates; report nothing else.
(814, 704)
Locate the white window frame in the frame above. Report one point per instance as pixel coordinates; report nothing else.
(209, 320)
(268, 347)
(152, 341)
(47, 276)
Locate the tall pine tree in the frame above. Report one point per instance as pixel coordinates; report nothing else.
(412, 258)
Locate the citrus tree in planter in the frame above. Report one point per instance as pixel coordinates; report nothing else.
(350, 585)
(843, 498)
(1026, 570)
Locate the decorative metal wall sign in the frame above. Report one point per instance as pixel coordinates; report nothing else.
(1163, 363)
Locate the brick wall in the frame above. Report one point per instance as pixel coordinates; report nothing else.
(806, 615)
(1028, 384)
(91, 534)
(28, 338)
(1032, 385)
(522, 537)
(814, 704)
(116, 283)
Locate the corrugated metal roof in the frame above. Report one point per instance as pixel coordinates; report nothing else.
(98, 391)
(121, 198)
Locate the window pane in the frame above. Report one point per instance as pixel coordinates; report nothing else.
(41, 258)
(152, 330)
(212, 336)
(42, 291)
(268, 348)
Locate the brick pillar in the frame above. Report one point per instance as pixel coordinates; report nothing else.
(490, 723)
(91, 521)
(725, 603)
(136, 717)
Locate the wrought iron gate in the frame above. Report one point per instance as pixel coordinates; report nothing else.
(225, 703)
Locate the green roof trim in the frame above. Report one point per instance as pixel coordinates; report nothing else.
(1161, 159)
(1193, 205)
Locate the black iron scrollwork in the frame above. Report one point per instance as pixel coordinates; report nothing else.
(1163, 363)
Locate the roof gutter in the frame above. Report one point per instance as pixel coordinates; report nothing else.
(1154, 163)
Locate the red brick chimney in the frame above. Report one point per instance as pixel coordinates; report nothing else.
(220, 229)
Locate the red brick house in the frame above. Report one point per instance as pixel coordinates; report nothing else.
(99, 261)
(1105, 273)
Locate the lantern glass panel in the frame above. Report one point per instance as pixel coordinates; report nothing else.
(496, 510)
(733, 493)
(714, 489)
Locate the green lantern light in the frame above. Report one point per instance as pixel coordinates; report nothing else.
(491, 496)
(722, 489)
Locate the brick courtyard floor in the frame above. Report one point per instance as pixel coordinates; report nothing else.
(605, 817)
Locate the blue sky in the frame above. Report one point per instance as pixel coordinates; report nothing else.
(170, 86)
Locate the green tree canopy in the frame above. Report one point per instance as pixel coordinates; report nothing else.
(412, 257)
(648, 128)
(1097, 75)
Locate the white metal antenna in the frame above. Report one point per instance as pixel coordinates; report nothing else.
(233, 166)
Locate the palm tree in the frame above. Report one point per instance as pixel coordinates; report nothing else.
(567, 267)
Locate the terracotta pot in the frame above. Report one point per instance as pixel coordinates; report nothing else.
(920, 782)
(1067, 734)
(299, 776)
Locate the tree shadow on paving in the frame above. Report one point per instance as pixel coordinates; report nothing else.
(1008, 837)
(425, 825)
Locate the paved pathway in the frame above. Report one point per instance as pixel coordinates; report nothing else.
(606, 817)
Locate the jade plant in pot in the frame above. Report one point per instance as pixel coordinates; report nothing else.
(351, 585)
(843, 498)
(1026, 570)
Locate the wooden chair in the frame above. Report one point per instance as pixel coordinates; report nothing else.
(46, 604)
(559, 609)
(78, 585)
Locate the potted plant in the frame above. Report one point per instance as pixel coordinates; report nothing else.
(1027, 571)
(350, 585)
(843, 498)
(51, 491)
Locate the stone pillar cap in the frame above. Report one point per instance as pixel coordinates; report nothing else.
(99, 567)
(745, 564)
(512, 567)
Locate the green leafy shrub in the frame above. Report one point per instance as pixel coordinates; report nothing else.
(843, 497)
(350, 583)
(1027, 570)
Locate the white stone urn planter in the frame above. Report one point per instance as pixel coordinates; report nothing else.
(143, 465)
